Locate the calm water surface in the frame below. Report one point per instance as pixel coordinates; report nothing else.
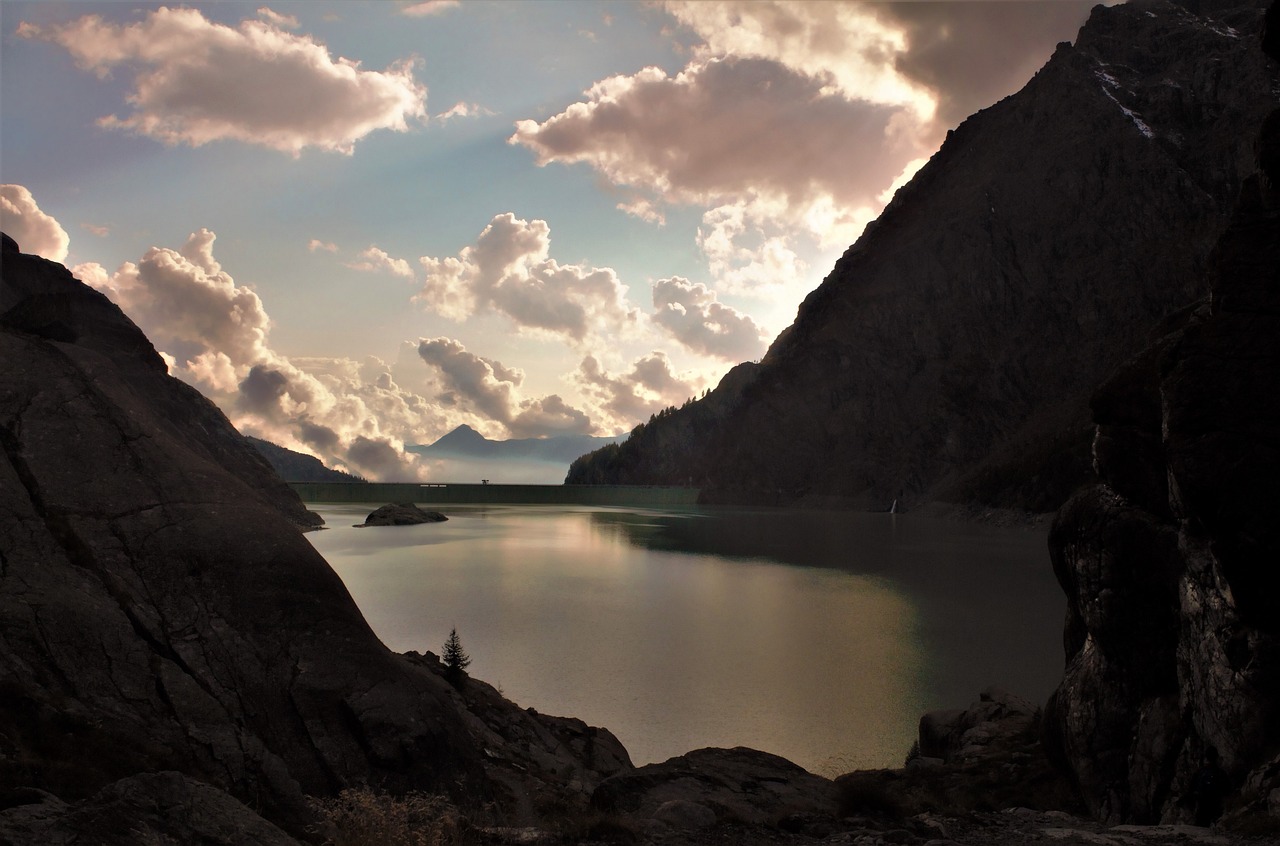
(816, 636)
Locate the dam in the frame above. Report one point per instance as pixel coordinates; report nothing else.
(635, 496)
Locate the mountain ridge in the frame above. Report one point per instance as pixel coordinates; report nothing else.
(950, 353)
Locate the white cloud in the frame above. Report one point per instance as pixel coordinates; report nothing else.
(490, 390)
(196, 81)
(36, 232)
(846, 45)
(791, 120)
(214, 333)
(373, 259)
(783, 161)
(277, 19)
(429, 8)
(100, 231)
(508, 269)
(316, 244)
(463, 110)
(625, 399)
(692, 315)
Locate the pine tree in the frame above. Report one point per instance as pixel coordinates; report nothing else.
(455, 660)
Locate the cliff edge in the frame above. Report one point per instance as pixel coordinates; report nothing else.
(160, 611)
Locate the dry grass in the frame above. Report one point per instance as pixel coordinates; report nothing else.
(364, 817)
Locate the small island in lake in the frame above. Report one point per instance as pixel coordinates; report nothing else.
(401, 514)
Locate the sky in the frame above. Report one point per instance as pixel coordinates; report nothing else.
(356, 225)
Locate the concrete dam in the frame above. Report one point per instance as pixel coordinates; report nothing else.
(635, 496)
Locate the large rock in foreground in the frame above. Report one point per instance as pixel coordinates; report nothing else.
(160, 609)
(1171, 565)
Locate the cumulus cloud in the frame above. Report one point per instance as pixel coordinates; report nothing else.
(196, 81)
(490, 389)
(690, 312)
(721, 130)
(846, 45)
(429, 8)
(792, 122)
(327, 246)
(509, 270)
(214, 333)
(969, 55)
(277, 19)
(627, 398)
(374, 259)
(463, 110)
(36, 232)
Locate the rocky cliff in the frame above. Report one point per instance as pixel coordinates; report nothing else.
(1170, 561)
(161, 611)
(951, 352)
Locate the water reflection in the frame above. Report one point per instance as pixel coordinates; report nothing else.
(819, 637)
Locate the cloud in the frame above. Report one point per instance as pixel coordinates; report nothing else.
(791, 120)
(277, 19)
(784, 156)
(36, 232)
(692, 315)
(316, 244)
(723, 130)
(429, 8)
(100, 231)
(490, 389)
(845, 45)
(196, 81)
(508, 269)
(214, 333)
(463, 110)
(374, 259)
(628, 398)
(969, 55)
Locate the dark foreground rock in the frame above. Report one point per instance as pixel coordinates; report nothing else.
(1170, 562)
(401, 514)
(710, 786)
(161, 611)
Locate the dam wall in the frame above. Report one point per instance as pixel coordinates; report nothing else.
(639, 496)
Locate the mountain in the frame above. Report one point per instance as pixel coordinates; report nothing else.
(951, 352)
(297, 466)
(177, 662)
(465, 442)
(1169, 561)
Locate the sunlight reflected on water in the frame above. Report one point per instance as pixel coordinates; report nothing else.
(805, 636)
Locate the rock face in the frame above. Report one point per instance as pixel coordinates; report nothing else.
(402, 514)
(161, 611)
(1170, 562)
(707, 786)
(951, 352)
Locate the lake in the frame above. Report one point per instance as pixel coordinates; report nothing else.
(821, 637)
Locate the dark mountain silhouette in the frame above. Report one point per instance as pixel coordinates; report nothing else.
(173, 651)
(951, 353)
(1169, 561)
(295, 466)
(465, 442)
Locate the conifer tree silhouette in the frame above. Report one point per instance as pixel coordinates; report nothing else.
(455, 660)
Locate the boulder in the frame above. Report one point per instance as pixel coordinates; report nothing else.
(736, 785)
(401, 514)
(165, 807)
